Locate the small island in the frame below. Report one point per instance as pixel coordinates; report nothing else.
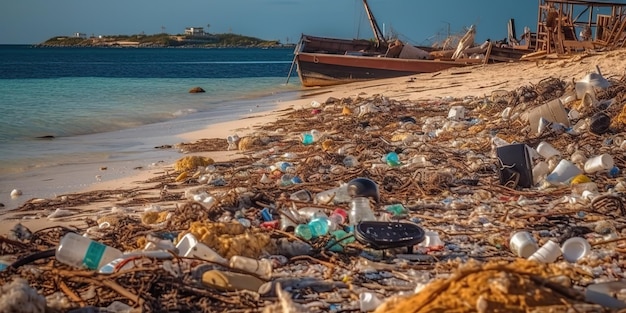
(193, 38)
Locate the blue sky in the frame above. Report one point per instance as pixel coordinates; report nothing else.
(34, 21)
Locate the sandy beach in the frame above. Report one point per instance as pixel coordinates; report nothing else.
(470, 86)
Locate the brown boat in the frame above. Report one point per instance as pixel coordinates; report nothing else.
(330, 61)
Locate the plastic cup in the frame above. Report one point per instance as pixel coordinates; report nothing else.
(546, 150)
(548, 253)
(552, 111)
(523, 244)
(431, 239)
(563, 172)
(540, 170)
(189, 246)
(599, 163)
(575, 248)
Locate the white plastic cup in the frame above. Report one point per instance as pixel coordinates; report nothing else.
(548, 253)
(563, 172)
(540, 170)
(552, 111)
(523, 244)
(546, 150)
(431, 239)
(189, 246)
(575, 248)
(599, 163)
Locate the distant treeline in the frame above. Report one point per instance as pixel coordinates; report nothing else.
(162, 40)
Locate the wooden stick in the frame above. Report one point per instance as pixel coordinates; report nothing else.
(71, 294)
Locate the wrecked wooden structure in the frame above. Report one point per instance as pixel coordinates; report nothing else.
(567, 26)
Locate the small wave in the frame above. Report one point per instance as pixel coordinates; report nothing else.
(184, 112)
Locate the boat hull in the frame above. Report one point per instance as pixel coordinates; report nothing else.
(319, 69)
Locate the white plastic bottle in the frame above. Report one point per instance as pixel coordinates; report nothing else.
(78, 251)
(262, 267)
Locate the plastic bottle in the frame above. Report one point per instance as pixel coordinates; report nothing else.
(310, 213)
(337, 219)
(317, 227)
(334, 195)
(304, 231)
(262, 267)
(360, 210)
(78, 251)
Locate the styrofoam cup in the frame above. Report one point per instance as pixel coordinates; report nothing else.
(563, 172)
(523, 244)
(546, 150)
(548, 253)
(599, 163)
(575, 248)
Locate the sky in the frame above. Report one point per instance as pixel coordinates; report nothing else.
(419, 22)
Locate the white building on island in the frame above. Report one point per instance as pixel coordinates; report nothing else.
(195, 31)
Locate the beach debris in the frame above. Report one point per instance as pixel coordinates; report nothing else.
(233, 142)
(246, 143)
(19, 232)
(495, 286)
(470, 240)
(191, 163)
(18, 297)
(231, 239)
(196, 90)
(15, 193)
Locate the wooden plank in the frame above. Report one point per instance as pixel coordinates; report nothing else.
(577, 44)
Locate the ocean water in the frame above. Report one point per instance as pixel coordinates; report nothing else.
(67, 106)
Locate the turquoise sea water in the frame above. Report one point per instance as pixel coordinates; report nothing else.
(94, 101)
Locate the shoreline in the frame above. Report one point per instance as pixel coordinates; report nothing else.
(139, 156)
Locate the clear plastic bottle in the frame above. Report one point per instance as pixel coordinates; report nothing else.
(78, 251)
(310, 213)
(360, 210)
(334, 195)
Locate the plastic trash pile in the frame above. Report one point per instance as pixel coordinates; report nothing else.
(504, 203)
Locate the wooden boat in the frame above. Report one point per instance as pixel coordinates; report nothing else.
(324, 61)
